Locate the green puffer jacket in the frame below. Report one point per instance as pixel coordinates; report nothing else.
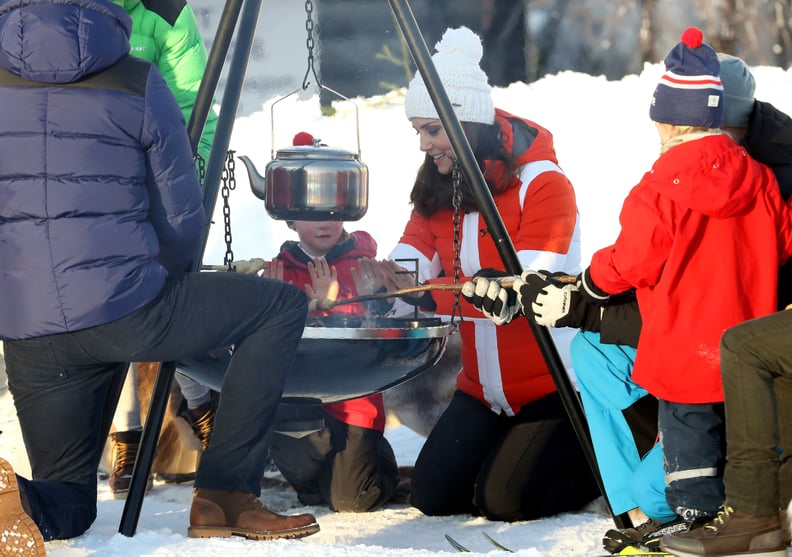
(165, 33)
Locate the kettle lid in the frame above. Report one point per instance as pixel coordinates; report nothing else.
(311, 152)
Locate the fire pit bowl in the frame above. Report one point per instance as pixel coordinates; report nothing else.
(340, 358)
(347, 357)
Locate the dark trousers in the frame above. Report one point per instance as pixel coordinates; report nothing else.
(692, 437)
(504, 468)
(65, 387)
(348, 468)
(756, 365)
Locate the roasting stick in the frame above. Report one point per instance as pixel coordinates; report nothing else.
(506, 282)
(329, 304)
(326, 304)
(256, 264)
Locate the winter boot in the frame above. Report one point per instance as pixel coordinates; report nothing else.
(730, 533)
(19, 535)
(646, 535)
(125, 450)
(224, 514)
(201, 419)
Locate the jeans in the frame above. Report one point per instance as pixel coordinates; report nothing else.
(66, 386)
(756, 365)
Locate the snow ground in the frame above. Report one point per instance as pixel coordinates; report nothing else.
(605, 142)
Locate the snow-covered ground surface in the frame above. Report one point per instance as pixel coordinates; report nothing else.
(605, 142)
(397, 530)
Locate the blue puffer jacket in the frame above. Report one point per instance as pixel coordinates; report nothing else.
(99, 198)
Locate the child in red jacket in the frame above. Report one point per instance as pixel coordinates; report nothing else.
(348, 464)
(702, 237)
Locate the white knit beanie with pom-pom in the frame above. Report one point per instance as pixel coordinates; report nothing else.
(457, 62)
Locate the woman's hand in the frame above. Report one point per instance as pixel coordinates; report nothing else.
(396, 276)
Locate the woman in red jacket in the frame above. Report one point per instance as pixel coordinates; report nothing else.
(504, 447)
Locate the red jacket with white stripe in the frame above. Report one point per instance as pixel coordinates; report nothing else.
(503, 366)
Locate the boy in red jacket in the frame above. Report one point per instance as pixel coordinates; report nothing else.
(689, 229)
(348, 464)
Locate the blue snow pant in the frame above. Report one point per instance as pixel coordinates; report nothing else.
(65, 387)
(606, 390)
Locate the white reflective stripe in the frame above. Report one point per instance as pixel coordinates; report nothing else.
(531, 171)
(489, 370)
(690, 474)
(546, 260)
(471, 222)
(469, 250)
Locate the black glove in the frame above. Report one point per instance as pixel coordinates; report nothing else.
(590, 290)
(554, 300)
(487, 293)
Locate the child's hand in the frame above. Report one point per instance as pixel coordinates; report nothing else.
(273, 269)
(324, 280)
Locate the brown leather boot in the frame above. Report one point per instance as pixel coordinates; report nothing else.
(125, 450)
(730, 533)
(19, 535)
(223, 514)
(201, 420)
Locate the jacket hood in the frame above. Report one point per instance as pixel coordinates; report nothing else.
(61, 41)
(712, 175)
(358, 244)
(527, 141)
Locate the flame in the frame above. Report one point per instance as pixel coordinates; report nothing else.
(332, 292)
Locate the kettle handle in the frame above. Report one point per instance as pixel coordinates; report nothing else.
(347, 99)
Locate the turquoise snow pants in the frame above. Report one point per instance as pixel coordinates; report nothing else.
(603, 375)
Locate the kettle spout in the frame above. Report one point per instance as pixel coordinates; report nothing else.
(258, 183)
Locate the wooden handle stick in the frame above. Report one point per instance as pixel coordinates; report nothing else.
(329, 304)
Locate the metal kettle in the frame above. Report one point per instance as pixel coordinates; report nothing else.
(312, 183)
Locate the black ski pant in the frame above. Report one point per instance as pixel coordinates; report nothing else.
(505, 468)
(66, 386)
(348, 468)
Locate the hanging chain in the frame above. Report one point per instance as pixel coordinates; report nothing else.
(229, 183)
(309, 43)
(456, 202)
(200, 168)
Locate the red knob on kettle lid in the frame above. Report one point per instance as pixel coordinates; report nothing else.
(303, 139)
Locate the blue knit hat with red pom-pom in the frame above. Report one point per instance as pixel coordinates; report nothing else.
(690, 93)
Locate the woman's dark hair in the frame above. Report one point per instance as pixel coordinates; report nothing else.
(432, 191)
